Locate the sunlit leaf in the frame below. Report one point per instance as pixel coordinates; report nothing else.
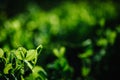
(1, 52)
(7, 68)
(31, 54)
(39, 49)
(102, 42)
(36, 74)
(56, 52)
(62, 51)
(20, 53)
(38, 68)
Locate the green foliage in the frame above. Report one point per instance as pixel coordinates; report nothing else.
(76, 36)
(20, 64)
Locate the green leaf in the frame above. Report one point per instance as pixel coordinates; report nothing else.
(7, 68)
(111, 36)
(87, 42)
(86, 54)
(62, 51)
(1, 52)
(20, 53)
(102, 42)
(85, 71)
(59, 52)
(31, 54)
(39, 49)
(56, 52)
(37, 70)
(11, 56)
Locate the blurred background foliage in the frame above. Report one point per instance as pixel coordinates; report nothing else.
(80, 38)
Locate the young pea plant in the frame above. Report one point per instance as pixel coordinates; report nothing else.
(86, 59)
(60, 68)
(20, 64)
